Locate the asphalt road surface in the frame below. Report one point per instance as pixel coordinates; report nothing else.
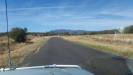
(59, 51)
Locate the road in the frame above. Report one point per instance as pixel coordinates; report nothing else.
(60, 51)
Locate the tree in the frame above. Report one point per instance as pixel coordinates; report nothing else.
(18, 34)
(128, 29)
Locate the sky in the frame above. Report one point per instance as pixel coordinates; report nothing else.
(47, 15)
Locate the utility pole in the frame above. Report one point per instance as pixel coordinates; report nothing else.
(8, 43)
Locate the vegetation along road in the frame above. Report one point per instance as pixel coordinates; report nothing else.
(60, 51)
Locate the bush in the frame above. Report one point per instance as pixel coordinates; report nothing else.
(128, 29)
(18, 34)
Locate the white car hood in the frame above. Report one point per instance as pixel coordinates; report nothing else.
(47, 71)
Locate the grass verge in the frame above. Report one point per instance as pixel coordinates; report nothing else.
(22, 51)
(108, 48)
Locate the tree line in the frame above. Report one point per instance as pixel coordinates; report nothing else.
(20, 34)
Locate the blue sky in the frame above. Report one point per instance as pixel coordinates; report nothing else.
(46, 15)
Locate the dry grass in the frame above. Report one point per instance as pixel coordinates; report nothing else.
(21, 51)
(117, 44)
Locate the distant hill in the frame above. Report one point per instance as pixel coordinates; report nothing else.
(83, 32)
(70, 32)
(73, 32)
(61, 31)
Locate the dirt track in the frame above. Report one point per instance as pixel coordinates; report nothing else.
(59, 51)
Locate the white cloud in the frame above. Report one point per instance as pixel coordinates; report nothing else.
(117, 11)
(38, 8)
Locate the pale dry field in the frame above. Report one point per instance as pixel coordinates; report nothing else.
(19, 51)
(120, 44)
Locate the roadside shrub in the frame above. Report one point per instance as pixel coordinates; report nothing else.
(18, 34)
(128, 29)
